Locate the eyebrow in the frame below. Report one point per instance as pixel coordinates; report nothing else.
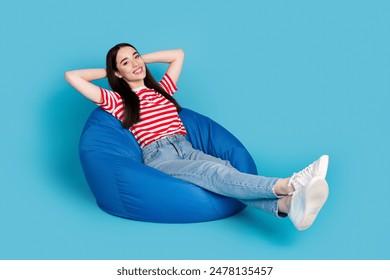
(127, 57)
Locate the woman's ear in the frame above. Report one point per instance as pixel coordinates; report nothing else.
(118, 75)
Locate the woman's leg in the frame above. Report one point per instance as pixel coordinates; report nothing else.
(180, 160)
(308, 188)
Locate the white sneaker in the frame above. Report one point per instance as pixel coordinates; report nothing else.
(317, 168)
(307, 202)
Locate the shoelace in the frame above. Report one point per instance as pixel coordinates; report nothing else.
(295, 178)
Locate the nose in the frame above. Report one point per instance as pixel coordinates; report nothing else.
(134, 63)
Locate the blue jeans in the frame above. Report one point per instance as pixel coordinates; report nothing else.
(175, 156)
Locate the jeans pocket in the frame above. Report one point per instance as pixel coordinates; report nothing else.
(150, 156)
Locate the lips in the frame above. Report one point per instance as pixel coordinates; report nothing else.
(138, 71)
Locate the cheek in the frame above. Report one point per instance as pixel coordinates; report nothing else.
(124, 72)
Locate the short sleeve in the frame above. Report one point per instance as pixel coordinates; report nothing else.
(111, 102)
(167, 83)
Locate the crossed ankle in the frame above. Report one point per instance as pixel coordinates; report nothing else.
(282, 187)
(284, 204)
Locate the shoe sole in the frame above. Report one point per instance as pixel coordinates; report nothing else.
(323, 166)
(316, 195)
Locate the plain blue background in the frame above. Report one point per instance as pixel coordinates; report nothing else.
(291, 79)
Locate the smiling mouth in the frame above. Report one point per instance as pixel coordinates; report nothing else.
(137, 71)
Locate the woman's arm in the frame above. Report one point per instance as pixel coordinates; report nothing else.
(175, 58)
(81, 81)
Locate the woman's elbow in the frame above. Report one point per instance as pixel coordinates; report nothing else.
(68, 76)
(179, 55)
(181, 52)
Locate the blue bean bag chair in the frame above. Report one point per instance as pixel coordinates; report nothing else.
(123, 186)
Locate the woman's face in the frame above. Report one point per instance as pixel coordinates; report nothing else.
(131, 66)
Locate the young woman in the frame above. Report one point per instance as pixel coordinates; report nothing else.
(147, 108)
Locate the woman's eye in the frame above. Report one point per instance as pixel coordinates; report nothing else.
(125, 63)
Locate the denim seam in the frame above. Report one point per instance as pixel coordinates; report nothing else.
(246, 186)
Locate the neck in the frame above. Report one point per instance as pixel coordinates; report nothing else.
(136, 84)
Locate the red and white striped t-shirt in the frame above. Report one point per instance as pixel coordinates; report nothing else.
(159, 117)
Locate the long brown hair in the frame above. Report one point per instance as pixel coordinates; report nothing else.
(130, 100)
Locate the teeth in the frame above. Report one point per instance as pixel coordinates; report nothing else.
(137, 71)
